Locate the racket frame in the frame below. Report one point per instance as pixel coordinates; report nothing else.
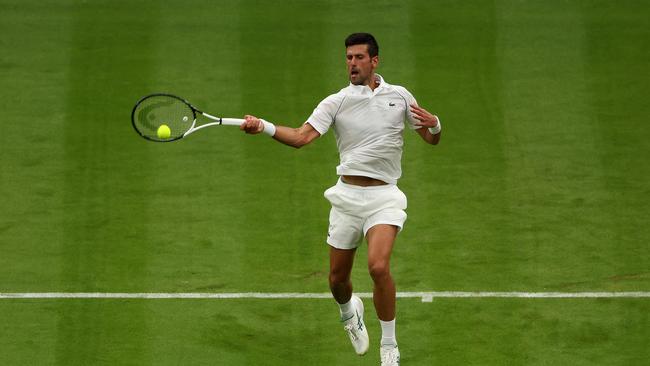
(193, 128)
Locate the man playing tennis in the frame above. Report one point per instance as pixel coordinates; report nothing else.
(368, 118)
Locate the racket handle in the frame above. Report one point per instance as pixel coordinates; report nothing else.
(269, 128)
(232, 121)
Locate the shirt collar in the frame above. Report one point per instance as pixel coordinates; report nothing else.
(365, 89)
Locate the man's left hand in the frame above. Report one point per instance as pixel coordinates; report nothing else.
(425, 117)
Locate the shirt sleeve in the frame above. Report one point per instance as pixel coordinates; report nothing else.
(325, 113)
(409, 99)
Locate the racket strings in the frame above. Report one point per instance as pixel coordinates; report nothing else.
(158, 110)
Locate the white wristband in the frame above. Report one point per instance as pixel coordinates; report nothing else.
(269, 128)
(436, 130)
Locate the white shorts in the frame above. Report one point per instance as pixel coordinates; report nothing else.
(356, 209)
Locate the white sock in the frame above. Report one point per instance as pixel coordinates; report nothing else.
(347, 310)
(388, 333)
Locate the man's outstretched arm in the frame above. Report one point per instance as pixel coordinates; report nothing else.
(295, 137)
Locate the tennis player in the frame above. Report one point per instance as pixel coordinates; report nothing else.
(368, 118)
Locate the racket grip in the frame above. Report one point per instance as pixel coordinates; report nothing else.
(232, 121)
(269, 128)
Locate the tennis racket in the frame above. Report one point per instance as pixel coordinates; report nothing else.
(165, 117)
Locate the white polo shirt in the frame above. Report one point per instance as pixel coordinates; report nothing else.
(368, 127)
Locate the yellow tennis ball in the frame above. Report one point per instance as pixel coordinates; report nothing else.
(164, 132)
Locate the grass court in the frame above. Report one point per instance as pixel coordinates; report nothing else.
(540, 182)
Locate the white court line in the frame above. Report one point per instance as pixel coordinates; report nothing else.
(424, 296)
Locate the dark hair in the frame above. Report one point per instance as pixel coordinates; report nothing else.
(363, 38)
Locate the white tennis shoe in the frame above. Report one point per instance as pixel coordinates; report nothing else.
(356, 328)
(389, 355)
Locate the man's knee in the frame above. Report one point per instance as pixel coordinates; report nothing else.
(379, 270)
(338, 277)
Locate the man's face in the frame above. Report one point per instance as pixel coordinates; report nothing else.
(360, 65)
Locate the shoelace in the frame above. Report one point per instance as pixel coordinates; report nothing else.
(390, 357)
(351, 329)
